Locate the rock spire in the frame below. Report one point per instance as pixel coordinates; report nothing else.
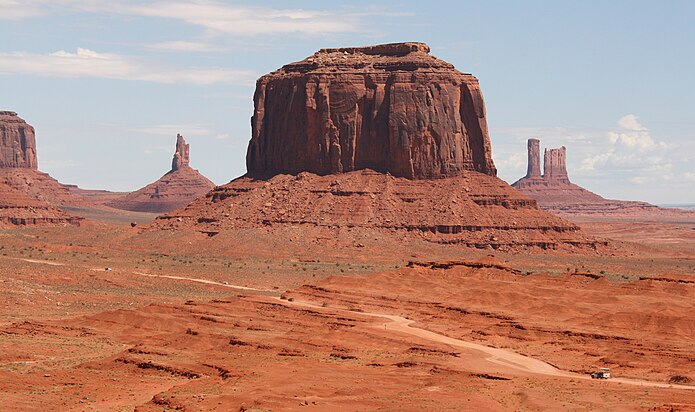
(178, 187)
(182, 155)
(534, 159)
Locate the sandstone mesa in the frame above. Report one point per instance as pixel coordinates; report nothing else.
(391, 108)
(384, 138)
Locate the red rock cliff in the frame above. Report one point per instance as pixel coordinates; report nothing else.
(17, 142)
(555, 165)
(392, 108)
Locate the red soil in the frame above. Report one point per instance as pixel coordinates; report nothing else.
(471, 209)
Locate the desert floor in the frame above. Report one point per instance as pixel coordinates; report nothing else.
(104, 317)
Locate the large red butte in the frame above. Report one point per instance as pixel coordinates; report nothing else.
(391, 108)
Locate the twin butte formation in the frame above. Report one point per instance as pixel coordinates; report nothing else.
(554, 192)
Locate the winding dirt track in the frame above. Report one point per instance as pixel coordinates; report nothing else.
(207, 282)
(510, 360)
(398, 324)
(507, 358)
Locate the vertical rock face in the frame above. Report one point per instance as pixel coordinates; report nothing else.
(534, 159)
(391, 108)
(17, 142)
(182, 155)
(555, 165)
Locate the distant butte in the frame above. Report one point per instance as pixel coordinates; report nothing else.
(555, 192)
(24, 190)
(554, 167)
(377, 140)
(178, 187)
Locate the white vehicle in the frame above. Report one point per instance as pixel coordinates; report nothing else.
(603, 373)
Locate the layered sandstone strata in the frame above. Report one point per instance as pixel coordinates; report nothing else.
(181, 185)
(391, 108)
(19, 208)
(472, 209)
(17, 142)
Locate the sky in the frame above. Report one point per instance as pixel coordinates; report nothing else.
(109, 84)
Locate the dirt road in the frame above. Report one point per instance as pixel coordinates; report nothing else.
(510, 360)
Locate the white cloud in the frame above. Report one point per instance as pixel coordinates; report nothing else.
(214, 16)
(88, 63)
(633, 135)
(632, 150)
(55, 164)
(628, 155)
(514, 161)
(630, 122)
(19, 10)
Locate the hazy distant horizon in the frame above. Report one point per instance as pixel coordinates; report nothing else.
(109, 85)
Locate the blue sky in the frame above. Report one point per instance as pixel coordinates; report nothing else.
(109, 84)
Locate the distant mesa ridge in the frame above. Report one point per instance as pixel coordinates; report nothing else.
(554, 191)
